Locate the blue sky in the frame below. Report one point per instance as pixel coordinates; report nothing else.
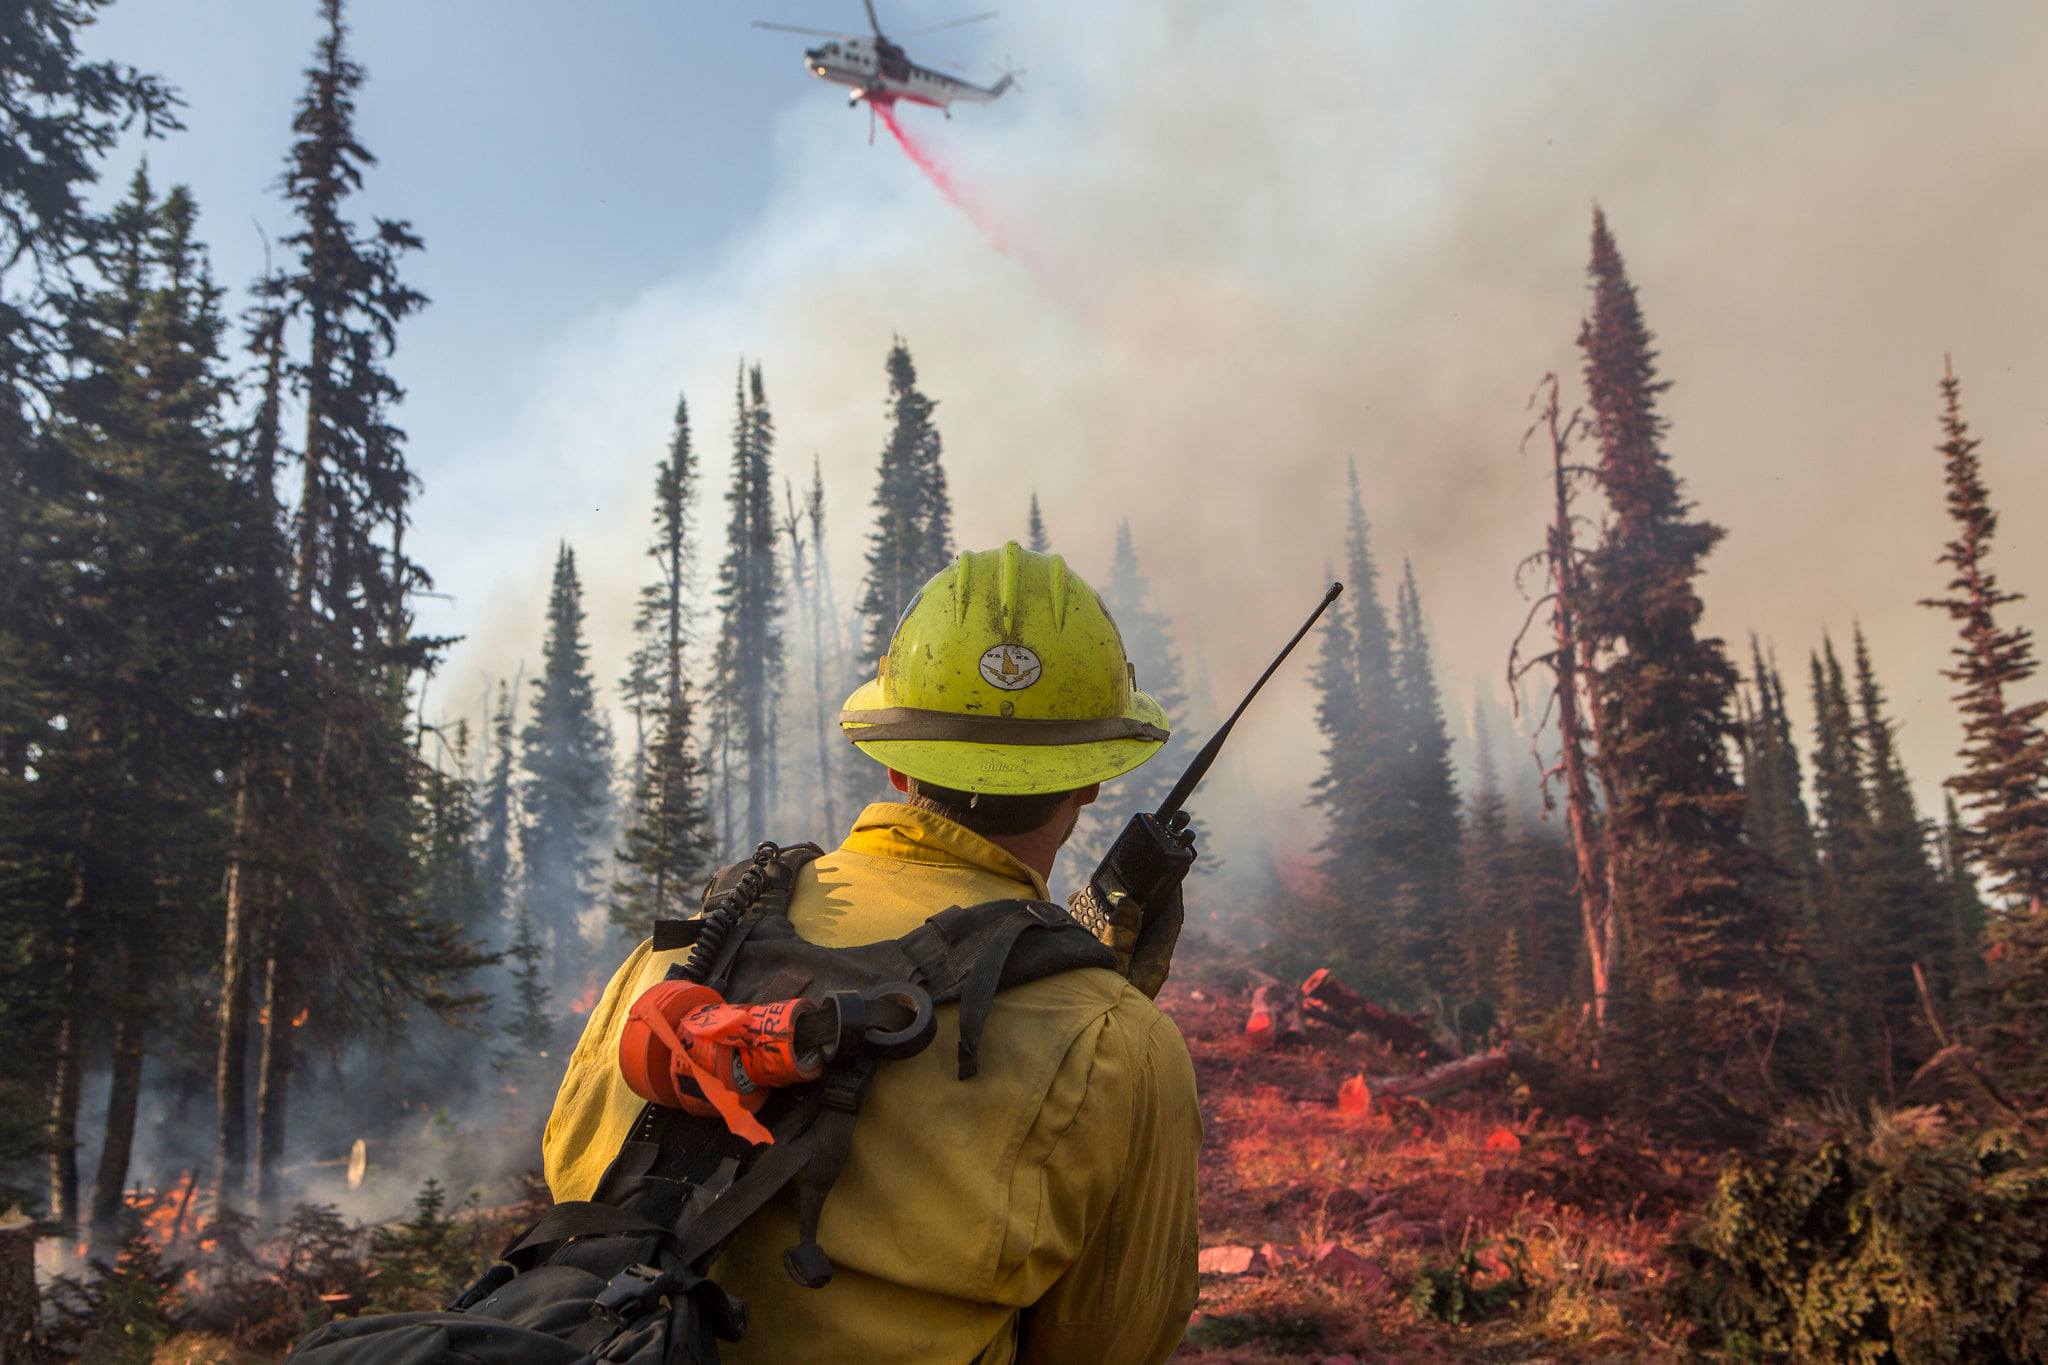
(1251, 243)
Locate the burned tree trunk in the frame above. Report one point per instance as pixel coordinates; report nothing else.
(123, 1097)
(231, 1061)
(274, 1085)
(1567, 659)
(64, 1082)
(1326, 998)
(1462, 1074)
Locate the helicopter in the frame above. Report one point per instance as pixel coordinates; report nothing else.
(880, 72)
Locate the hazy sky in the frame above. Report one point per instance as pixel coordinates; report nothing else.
(1245, 243)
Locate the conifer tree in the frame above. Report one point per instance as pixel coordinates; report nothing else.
(1570, 660)
(565, 799)
(120, 827)
(1341, 926)
(913, 533)
(1702, 987)
(750, 645)
(1776, 818)
(1036, 539)
(828, 655)
(1965, 907)
(497, 813)
(1427, 787)
(1487, 892)
(1841, 806)
(60, 117)
(1359, 790)
(345, 952)
(666, 852)
(1148, 644)
(532, 1026)
(2004, 781)
(2003, 784)
(1906, 901)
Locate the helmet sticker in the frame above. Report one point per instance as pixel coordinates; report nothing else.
(1010, 667)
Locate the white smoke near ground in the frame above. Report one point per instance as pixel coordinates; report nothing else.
(1255, 242)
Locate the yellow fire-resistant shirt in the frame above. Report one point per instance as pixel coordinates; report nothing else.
(1042, 1211)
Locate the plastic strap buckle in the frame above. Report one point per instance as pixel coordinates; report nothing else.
(631, 1293)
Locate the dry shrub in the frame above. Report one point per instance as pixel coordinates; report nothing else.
(1891, 1237)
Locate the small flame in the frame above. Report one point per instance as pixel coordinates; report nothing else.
(299, 1019)
(583, 1003)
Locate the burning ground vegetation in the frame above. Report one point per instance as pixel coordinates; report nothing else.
(1373, 1190)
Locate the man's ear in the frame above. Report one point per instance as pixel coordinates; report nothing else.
(899, 782)
(1085, 796)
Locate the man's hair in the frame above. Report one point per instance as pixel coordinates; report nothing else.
(985, 814)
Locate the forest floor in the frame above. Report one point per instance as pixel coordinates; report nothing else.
(1473, 1228)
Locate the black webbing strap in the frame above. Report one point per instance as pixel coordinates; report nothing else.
(978, 990)
(830, 1138)
(758, 1184)
(577, 1218)
(926, 947)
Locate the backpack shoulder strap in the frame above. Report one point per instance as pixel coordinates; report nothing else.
(970, 953)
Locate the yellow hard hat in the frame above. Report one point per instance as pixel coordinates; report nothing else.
(1006, 676)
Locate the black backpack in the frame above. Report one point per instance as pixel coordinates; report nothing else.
(621, 1277)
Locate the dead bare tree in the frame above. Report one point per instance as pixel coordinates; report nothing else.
(1569, 660)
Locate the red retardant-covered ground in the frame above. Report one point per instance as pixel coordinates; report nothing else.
(1341, 1226)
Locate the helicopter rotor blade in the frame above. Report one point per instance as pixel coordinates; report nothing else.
(813, 32)
(952, 23)
(873, 22)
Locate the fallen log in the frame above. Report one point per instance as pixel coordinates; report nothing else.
(1462, 1074)
(1326, 998)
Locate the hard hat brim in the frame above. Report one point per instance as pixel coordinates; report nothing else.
(1006, 769)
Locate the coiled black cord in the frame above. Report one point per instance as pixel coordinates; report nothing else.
(726, 912)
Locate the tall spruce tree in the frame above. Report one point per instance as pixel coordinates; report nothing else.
(565, 799)
(911, 539)
(126, 801)
(1339, 926)
(60, 117)
(828, 655)
(913, 532)
(1776, 817)
(1907, 902)
(2003, 784)
(345, 952)
(1427, 789)
(1148, 644)
(1701, 986)
(2004, 781)
(498, 808)
(1964, 903)
(1363, 857)
(1487, 902)
(748, 665)
(666, 852)
(1036, 539)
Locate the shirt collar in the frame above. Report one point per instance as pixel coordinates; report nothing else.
(890, 829)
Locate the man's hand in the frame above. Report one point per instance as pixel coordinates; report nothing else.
(1143, 940)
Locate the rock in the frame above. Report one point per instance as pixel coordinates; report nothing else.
(1339, 1263)
(1229, 1260)
(1278, 1256)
